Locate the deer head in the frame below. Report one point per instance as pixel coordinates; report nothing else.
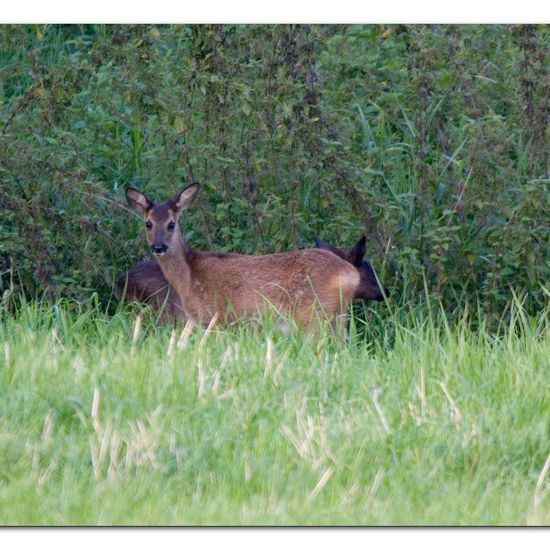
(369, 289)
(161, 220)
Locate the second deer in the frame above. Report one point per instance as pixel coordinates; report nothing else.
(369, 288)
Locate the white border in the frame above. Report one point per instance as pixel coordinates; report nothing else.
(280, 11)
(289, 539)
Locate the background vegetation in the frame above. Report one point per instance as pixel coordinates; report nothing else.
(432, 140)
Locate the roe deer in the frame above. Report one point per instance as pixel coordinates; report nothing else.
(146, 283)
(302, 284)
(368, 288)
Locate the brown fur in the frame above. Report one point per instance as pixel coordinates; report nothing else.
(146, 283)
(369, 287)
(305, 284)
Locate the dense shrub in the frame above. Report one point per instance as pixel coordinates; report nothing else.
(432, 140)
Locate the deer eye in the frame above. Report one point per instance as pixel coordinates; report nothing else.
(149, 226)
(171, 226)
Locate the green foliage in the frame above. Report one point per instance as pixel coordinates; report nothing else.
(422, 422)
(432, 140)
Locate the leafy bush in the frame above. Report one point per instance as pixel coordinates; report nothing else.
(432, 140)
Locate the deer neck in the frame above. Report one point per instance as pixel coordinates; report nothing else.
(176, 269)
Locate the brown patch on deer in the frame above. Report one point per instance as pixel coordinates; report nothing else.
(146, 283)
(369, 287)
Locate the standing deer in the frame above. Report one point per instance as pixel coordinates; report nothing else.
(307, 285)
(146, 282)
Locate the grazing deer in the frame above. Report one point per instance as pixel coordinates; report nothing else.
(146, 283)
(368, 288)
(305, 284)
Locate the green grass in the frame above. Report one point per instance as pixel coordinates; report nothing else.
(416, 422)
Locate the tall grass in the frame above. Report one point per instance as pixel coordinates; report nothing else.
(414, 418)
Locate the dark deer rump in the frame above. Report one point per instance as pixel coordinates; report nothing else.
(146, 283)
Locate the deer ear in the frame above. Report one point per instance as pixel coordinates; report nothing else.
(138, 201)
(184, 198)
(356, 254)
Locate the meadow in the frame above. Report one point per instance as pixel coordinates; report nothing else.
(409, 420)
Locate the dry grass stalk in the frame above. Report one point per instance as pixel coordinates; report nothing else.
(208, 330)
(379, 410)
(171, 344)
(218, 373)
(7, 354)
(95, 410)
(268, 357)
(202, 379)
(185, 334)
(455, 414)
(375, 485)
(541, 492)
(322, 482)
(48, 426)
(137, 329)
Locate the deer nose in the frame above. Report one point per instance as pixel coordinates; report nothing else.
(159, 248)
(380, 298)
